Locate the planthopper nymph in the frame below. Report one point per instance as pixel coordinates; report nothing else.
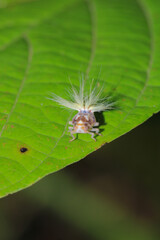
(86, 103)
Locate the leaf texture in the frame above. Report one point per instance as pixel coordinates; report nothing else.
(43, 44)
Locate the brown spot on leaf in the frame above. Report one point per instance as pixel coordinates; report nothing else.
(120, 112)
(4, 144)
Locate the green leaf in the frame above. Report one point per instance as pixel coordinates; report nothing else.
(42, 45)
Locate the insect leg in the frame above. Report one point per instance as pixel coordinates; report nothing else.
(92, 136)
(70, 129)
(73, 137)
(96, 130)
(72, 132)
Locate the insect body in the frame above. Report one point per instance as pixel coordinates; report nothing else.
(86, 103)
(83, 122)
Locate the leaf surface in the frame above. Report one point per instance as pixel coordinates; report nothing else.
(42, 45)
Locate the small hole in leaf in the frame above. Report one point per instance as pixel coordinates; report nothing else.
(23, 150)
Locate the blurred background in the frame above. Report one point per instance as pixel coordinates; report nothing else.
(113, 193)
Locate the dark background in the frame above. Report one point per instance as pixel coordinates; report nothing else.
(113, 193)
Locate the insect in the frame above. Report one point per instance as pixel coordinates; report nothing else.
(86, 103)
